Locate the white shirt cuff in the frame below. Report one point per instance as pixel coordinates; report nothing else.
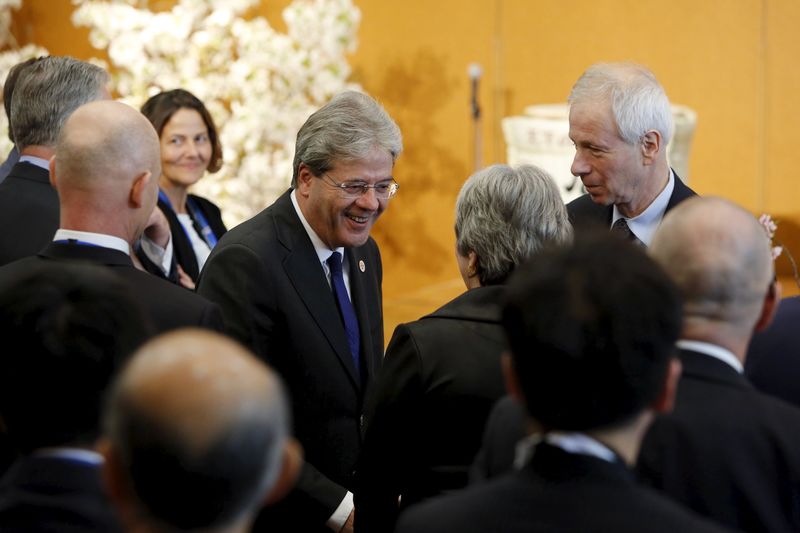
(158, 255)
(339, 516)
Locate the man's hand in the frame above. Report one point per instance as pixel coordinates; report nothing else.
(184, 279)
(157, 229)
(348, 524)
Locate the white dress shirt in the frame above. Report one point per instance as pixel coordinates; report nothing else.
(645, 224)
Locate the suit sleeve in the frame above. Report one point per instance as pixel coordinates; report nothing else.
(237, 279)
(390, 441)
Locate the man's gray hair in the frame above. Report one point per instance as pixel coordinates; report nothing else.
(347, 128)
(507, 214)
(47, 92)
(638, 102)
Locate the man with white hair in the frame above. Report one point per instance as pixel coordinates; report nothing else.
(621, 122)
(727, 451)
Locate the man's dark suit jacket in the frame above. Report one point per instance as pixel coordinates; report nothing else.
(276, 300)
(168, 306)
(181, 245)
(584, 213)
(555, 492)
(425, 415)
(727, 451)
(29, 212)
(773, 359)
(506, 426)
(48, 494)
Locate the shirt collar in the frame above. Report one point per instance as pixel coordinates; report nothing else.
(322, 249)
(38, 161)
(644, 224)
(570, 442)
(97, 239)
(78, 455)
(713, 350)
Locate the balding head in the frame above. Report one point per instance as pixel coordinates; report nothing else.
(106, 166)
(196, 414)
(719, 256)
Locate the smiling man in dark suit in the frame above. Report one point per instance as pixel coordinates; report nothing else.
(300, 284)
(621, 123)
(727, 450)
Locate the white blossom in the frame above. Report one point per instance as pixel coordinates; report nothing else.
(259, 84)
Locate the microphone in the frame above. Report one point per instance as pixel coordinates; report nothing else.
(474, 71)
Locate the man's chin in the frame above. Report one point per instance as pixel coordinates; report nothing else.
(600, 198)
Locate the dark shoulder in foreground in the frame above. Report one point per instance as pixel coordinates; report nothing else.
(516, 503)
(168, 305)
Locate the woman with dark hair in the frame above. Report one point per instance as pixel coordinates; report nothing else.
(189, 147)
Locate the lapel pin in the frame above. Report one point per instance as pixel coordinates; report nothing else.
(361, 266)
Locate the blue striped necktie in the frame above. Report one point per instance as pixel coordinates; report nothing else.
(345, 307)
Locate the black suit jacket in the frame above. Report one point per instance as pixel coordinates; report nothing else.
(584, 213)
(773, 359)
(506, 426)
(555, 492)
(29, 212)
(727, 451)
(47, 494)
(425, 415)
(168, 305)
(276, 300)
(181, 245)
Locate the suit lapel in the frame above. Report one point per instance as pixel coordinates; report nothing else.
(306, 275)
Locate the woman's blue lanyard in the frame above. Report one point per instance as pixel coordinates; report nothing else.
(197, 216)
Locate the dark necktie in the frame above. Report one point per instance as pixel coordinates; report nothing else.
(345, 307)
(621, 228)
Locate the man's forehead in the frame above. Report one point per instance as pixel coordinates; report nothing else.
(590, 119)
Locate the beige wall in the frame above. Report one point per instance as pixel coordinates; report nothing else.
(733, 61)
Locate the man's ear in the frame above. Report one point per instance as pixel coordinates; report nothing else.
(770, 306)
(665, 401)
(651, 146)
(139, 189)
(52, 167)
(290, 470)
(304, 177)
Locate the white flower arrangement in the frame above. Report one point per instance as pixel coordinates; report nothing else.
(260, 85)
(771, 227)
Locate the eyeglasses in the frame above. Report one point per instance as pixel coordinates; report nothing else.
(356, 189)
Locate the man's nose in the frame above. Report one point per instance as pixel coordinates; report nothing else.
(369, 200)
(579, 166)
